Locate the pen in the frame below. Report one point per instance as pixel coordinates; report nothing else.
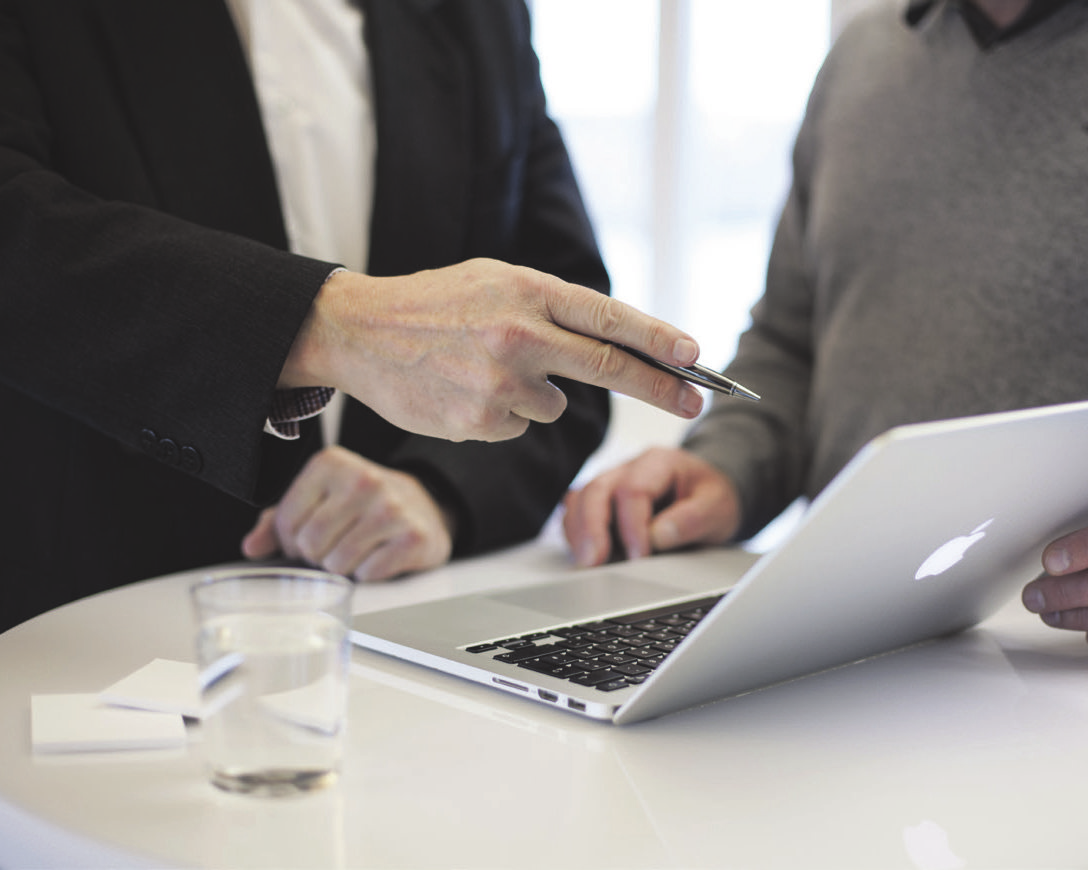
(699, 375)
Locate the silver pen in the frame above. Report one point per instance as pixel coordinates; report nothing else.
(699, 375)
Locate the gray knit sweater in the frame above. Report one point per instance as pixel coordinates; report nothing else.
(932, 258)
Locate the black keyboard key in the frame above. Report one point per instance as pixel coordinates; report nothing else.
(526, 652)
(482, 647)
(633, 670)
(614, 646)
(560, 658)
(612, 685)
(643, 653)
(570, 632)
(565, 672)
(595, 677)
(666, 611)
(616, 659)
(540, 667)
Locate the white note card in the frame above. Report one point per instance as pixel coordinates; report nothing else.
(162, 685)
(83, 723)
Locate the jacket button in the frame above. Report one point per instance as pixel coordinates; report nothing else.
(168, 451)
(191, 460)
(149, 441)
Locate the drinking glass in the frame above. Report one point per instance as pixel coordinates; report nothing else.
(273, 650)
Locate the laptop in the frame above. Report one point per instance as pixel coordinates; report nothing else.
(927, 531)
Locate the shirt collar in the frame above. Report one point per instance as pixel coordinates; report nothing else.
(984, 31)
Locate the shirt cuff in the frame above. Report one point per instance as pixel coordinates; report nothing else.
(291, 407)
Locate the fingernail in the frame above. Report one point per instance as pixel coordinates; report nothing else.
(691, 402)
(587, 554)
(1057, 561)
(1054, 620)
(665, 534)
(685, 351)
(1034, 601)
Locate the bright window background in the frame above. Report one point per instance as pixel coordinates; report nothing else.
(680, 116)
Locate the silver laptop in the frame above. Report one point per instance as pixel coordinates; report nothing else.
(927, 531)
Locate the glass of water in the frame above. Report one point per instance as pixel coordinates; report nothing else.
(272, 651)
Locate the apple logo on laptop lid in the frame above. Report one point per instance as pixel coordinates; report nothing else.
(951, 552)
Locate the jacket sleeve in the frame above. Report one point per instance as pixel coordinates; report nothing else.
(129, 320)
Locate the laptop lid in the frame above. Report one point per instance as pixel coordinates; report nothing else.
(928, 530)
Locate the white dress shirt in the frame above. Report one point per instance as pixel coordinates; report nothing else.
(309, 66)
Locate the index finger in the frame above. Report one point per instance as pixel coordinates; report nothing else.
(584, 347)
(587, 518)
(589, 313)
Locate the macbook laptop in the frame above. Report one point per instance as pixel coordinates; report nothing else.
(927, 531)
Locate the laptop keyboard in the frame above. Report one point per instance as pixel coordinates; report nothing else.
(607, 655)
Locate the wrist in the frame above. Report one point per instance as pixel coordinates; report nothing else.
(312, 359)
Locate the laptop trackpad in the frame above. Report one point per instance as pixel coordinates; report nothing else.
(588, 596)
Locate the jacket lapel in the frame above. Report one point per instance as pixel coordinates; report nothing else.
(423, 109)
(182, 69)
(194, 68)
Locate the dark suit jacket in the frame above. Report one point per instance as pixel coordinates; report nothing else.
(147, 303)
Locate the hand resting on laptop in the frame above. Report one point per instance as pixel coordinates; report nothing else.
(663, 499)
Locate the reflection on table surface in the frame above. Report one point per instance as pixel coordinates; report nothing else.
(966, 752)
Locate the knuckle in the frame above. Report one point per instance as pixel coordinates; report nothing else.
(359, 485)
(609, 361)
(411, 539)
(606, 316)
(504, 337)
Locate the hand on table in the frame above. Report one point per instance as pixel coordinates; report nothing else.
(465, 352)
(354, 517)
(1060, 596)
(663, 499)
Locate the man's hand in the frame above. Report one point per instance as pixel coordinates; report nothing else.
(351, 516)
(1061, 595)
(663, 499)
(465, 352)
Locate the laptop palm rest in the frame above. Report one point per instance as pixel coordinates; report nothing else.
(439, 625)
(599, 594)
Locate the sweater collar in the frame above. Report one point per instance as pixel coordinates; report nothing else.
(984, 31)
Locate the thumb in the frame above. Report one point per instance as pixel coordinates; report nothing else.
(262, 541)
